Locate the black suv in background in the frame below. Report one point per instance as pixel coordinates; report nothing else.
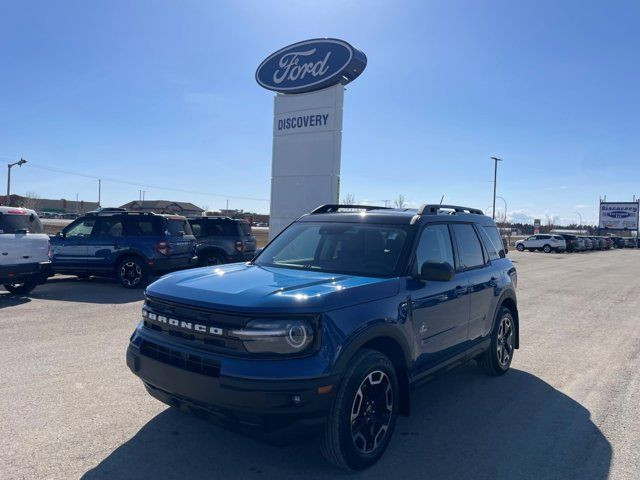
(128, 245)
(223, 240)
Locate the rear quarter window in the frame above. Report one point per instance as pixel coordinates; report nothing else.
(246, 228)
(496, 240)
(178, 226)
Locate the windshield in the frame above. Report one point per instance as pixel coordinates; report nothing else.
(356, 249)
(20, 223)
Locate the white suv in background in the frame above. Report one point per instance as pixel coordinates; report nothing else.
(25, 255)
(546, 242)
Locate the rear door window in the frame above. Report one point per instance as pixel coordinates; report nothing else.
(12, 223)
(469, 248)
(142, 226)
(223, 228)
(109, 227)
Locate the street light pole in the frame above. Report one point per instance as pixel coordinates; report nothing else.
(580, 216)
(495, 177)
(20, 162)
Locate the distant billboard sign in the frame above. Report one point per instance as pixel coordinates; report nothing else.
(619, 216)
(536, 226)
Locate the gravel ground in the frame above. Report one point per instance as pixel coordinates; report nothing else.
(568, 409)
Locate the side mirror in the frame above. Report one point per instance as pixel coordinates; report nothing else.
(60, 234)
(437, 271)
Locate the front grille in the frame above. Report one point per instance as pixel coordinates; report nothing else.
(222, 343)
(176, 358)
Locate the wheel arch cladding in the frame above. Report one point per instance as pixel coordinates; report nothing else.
(510, 304)
(387, 341)
(126, 255)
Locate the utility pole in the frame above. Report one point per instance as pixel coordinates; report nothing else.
(99, 191)
(19, 163)
(227, 204)
(495, 177)
(143, 194)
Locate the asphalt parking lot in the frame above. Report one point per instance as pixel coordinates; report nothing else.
(568, 409)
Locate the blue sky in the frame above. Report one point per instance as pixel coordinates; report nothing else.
(162, 93)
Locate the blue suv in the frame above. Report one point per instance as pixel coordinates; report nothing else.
(128, 245)
(331, 325)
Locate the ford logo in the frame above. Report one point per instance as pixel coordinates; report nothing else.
(311, 65)
(618, 214)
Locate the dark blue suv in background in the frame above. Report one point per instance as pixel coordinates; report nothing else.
(128, 245)
(332, 324)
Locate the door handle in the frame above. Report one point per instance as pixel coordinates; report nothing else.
(460, 290)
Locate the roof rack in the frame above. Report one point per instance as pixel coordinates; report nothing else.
(333, 208)
(106, 212)
(428, 209)
(434, 209)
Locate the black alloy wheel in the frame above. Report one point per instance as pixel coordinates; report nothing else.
(132, 273)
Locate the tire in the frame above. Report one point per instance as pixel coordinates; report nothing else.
(21, 288)
(132, 273)
(370, 380)
(546, 249)
(211, 258)
(520, 247)
(493, 360)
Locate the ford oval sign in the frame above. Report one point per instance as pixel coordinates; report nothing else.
(311, 65)
(618, 214)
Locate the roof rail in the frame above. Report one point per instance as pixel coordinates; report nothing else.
(434, 209)
(428, 209)
(333, 208)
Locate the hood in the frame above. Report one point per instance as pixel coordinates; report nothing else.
(246, 287)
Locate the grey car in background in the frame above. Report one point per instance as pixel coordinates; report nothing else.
(223, 240)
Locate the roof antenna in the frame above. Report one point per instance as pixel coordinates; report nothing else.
(441, 199)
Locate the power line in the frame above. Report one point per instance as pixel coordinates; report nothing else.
(137, 184)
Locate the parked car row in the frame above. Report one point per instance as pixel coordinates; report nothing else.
(573, 243)
(113, 242)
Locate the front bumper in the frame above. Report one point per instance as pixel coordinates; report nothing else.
(278, 411)
(25, 271)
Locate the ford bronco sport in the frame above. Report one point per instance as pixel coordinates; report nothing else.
(128, 245)
(332, 324)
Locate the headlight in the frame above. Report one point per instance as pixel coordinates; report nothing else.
(275, 336)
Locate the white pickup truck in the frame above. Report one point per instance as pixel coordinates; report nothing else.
(25, 255)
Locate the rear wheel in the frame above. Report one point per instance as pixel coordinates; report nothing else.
(132, 273)
(497, 359)
(364, 412)
(21, 288)
(211, 258)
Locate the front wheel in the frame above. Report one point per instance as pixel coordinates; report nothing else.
(520, 247)
(364, 412)
(132, 273)
(497, 359)
(21, 288)
(546, 249)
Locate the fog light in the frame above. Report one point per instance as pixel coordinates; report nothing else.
(296, 399)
